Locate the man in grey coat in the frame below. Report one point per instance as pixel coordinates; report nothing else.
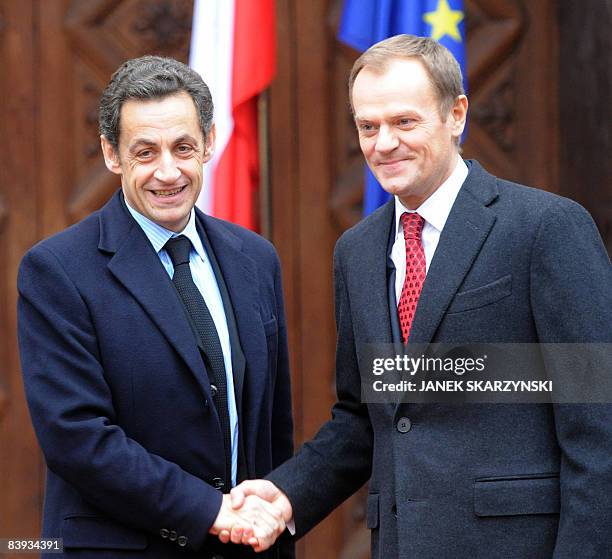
(457, 256)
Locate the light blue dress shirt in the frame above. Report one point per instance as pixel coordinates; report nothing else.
(205, 280)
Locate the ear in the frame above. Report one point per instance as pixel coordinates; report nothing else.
(458, 115)
(111, 157)
(209, 144)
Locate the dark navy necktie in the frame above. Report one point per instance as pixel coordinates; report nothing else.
(179, 248)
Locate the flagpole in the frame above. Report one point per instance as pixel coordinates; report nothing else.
(263, 130)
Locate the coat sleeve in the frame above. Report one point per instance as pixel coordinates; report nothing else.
(571, 296)
(71, 405)
(282, 419)
(337, 462)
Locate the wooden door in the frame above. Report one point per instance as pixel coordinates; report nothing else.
(20, 467)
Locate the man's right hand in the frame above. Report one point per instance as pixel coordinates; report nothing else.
(257, 523)
(262, 489)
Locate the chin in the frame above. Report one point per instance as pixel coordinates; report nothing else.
(394, 189)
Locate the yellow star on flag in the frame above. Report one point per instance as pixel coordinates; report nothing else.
(444, 21)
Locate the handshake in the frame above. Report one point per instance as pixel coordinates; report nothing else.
(255, 513)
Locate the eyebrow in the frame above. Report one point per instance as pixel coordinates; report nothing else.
(140, 142)
(361, 119)
(392, 116)
(185, 138)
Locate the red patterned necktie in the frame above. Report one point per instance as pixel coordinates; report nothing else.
(415, 271)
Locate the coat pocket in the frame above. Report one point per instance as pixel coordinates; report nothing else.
(97, 532)
(512, 496)
(271, 331)
(372, 523)
(481, 296)
(270, 327)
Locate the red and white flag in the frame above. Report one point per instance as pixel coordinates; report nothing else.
(233, 49)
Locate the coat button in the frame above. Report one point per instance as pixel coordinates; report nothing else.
(182, 541)
(164, 533)
(173, 535)
(213, 390)
(218, 483)
(403, 425)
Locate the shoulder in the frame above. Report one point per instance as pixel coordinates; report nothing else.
(541, 208)
(369, 231)
(253, 244)
(537, 199)
(54, 267)
(69, 244)
(523, 205)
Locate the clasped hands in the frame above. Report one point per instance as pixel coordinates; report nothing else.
(255, 513)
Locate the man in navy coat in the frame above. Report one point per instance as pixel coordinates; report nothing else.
(117, 372)
(485, 261)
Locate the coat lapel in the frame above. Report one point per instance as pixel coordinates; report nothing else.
(466, 229)
(240, 273)
(238, 361)
(135, 264)
(369, 287)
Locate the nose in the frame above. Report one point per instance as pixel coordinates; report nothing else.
(386, 140)
(167, 171)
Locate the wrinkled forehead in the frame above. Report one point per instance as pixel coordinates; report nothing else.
(395, 65)
(394, 72)
(174, 114)
(175, 105)
(401, 80)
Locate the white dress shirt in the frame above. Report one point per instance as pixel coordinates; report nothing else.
(435, 212)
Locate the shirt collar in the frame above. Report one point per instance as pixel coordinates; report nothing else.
(158, 235)
(436, 208)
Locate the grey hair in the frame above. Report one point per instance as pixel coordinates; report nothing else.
(151, 77)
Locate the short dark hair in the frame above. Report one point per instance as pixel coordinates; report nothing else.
(151, 77)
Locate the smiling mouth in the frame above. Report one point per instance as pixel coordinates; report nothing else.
(389, 164)
(168, 193)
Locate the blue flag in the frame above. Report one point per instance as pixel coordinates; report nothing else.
(365, 22)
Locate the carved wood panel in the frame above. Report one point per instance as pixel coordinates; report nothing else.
(3, 217)
(20, 475)
(56, 57)
(100, 35)
(585, 90)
